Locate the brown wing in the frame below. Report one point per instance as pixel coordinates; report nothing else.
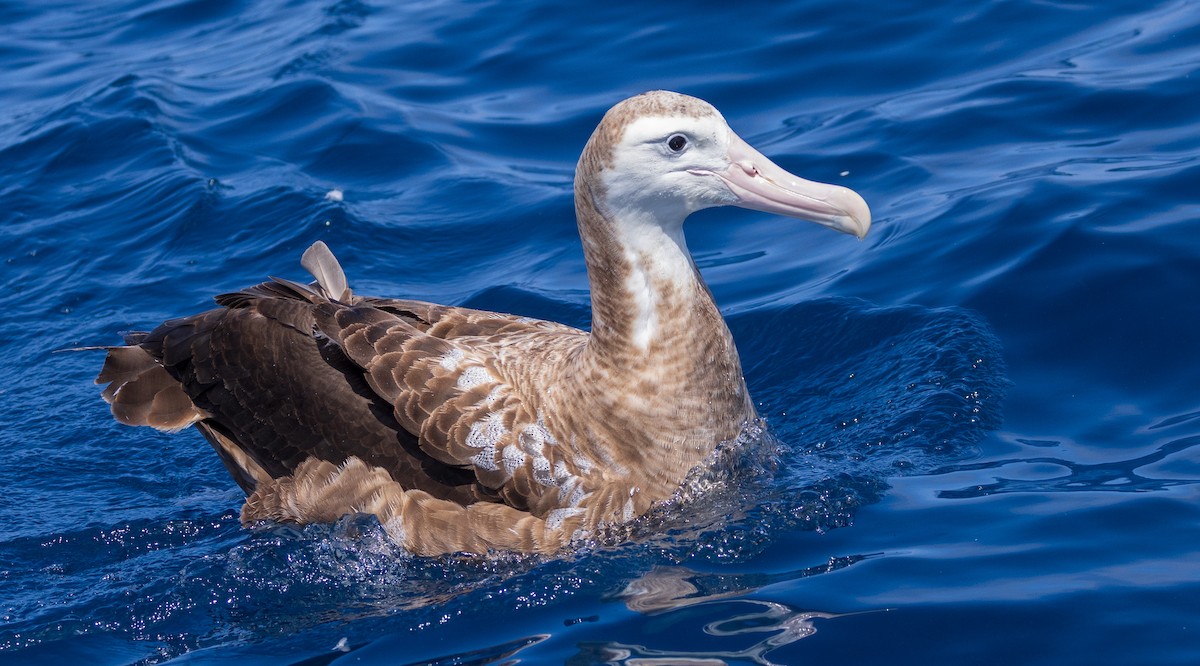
(451, 392)
(285, 394)
(322, 403)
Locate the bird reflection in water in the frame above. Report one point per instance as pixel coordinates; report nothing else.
(668, 589)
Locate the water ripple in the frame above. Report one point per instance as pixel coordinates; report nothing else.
(1032, 267)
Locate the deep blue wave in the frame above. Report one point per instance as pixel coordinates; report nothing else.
(984, 420)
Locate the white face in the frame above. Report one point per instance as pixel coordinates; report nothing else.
(664, 167)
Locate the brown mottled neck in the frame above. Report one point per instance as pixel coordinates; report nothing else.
(655, 326)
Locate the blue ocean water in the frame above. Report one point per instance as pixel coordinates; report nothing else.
(984, 419)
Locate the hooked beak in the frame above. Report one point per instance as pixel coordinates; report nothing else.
(759, 184)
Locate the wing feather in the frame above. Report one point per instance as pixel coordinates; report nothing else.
(452, 394)
(321, 402)
(286, 395)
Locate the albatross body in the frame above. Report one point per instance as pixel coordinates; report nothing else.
(472, 431)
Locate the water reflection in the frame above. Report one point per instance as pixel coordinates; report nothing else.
(1117, 476)
(667, 590)
(778, 623)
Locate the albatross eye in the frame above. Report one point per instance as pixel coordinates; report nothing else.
(677, 142)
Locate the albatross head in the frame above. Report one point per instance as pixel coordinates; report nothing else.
(662, 156)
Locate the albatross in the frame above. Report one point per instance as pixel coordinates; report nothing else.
(466, 431)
